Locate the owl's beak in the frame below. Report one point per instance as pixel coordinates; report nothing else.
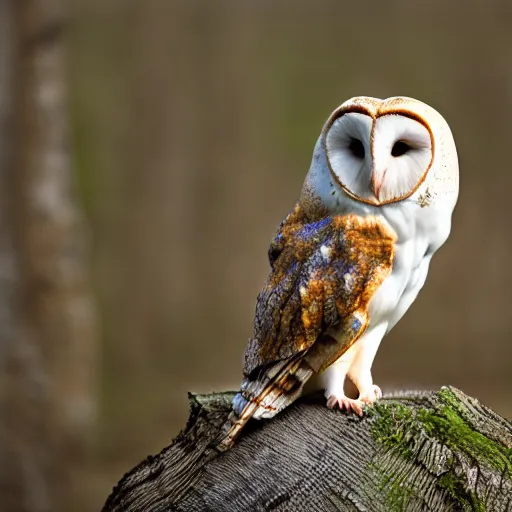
(377, 181)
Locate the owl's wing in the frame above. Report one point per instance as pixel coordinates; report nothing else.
(313, 307)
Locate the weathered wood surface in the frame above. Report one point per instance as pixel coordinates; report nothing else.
(413, 451)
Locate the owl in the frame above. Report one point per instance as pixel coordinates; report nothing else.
(351, 257)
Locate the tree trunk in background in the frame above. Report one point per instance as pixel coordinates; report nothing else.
(47, 330)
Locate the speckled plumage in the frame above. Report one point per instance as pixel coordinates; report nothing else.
(352, 256)
(324, 273)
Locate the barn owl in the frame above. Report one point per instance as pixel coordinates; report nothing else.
(351, 257)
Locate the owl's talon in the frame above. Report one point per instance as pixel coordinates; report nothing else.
(344, 403)
(370, 395)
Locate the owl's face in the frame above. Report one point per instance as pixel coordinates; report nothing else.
(385, 151)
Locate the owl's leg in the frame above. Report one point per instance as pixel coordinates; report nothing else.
(334, 381)
(360, 370)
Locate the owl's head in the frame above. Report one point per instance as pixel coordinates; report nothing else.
(379, 152)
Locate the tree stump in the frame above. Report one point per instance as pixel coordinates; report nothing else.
(412, 451)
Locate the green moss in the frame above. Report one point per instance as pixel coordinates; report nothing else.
(450, 429)
(398, 493)
(395, 424)
(448, 425)
(449, 398)
(455, 488)
(398, 427)
(388, 429)
(390, 418)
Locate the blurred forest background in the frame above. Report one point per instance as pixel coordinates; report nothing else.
(149, 150)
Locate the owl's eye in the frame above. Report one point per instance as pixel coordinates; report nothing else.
(400, 148)
(356, 148)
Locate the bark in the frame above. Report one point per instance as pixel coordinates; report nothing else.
(48, 330)
(413, 451)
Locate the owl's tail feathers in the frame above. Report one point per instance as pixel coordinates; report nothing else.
(273, 389)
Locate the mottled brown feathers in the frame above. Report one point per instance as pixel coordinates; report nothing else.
(312, 308)
(324, 271)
